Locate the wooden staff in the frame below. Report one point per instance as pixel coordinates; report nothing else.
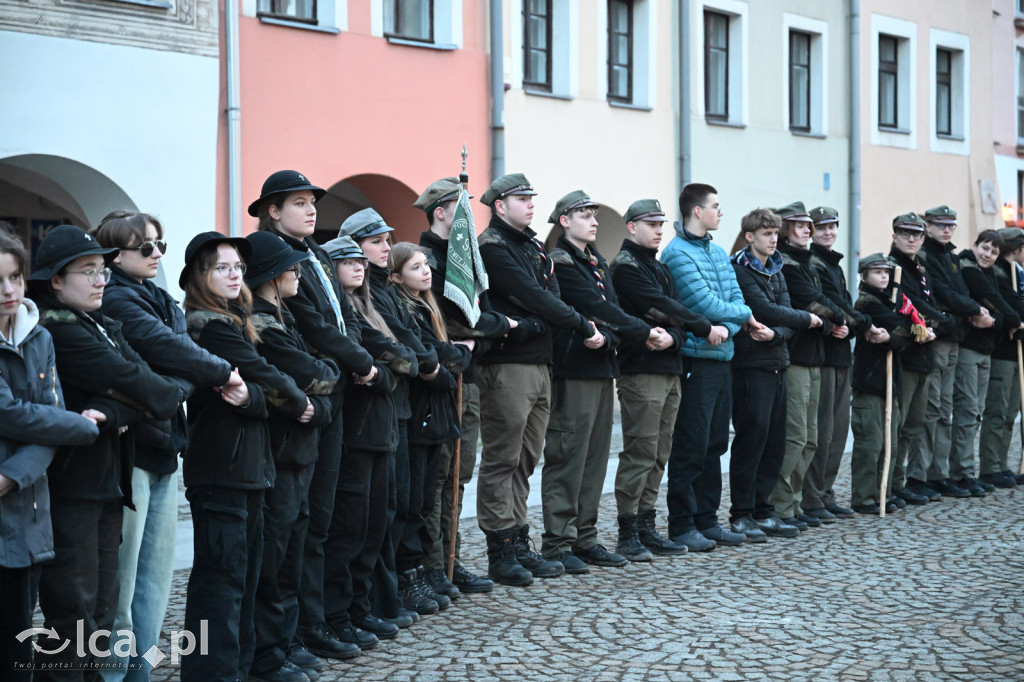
(457, 455)
(883, 500)
(1020, 373)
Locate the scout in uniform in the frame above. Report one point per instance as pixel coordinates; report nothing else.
(930, 477)
(819, 497)
(580, 428)
(806, 354)
(649, 387)
(515, 378)
(917, 358)
(438, 202)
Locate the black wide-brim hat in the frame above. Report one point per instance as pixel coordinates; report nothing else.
(204, 238)
(271, 257)
(63, 244)
(281, 182)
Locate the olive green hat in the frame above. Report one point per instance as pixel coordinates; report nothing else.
(512, 183)
(875, 261)
(823, 215)
(795, 212)
(940, 214)
(908, 221)
(570, 202)
(1013, 237)
(439, 192)
(645, 209)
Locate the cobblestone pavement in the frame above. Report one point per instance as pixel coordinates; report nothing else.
(928, 593)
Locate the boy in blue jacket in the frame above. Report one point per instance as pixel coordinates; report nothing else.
(706, 284)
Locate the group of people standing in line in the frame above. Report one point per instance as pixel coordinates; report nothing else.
(322, 385)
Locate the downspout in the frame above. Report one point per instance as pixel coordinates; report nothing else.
(685, 171)
(853, 253)
(497, 90)
(234, 119)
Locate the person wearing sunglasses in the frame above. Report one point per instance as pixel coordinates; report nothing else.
(90, 485)
(155, 326)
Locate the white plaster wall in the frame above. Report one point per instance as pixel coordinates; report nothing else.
(146, 119)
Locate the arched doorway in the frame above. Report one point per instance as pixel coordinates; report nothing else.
(389, 196)
(611, 230)
(40, 191)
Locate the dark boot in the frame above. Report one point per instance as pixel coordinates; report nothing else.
(412, 596)
(650, 538)
(502, 566)
(629, 544)
(468, 582)
(533, 562)
(443, 602)
(438, 581)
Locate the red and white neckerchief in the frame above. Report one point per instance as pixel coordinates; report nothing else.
(597, 275)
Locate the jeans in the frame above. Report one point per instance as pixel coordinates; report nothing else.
(145, 567)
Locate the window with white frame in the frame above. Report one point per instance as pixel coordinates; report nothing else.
(427, 23)
(893, 82)
(1020, 97)
(409, 19)
(620, 50)
(805, 75)
(330, 16)
(724, 60)
(950, 97)
(549, 47)
(289, 10)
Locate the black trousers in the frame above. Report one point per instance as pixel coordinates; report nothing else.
(321, 509)
(17, 602)
(759, 446)
(700, 439)
(285, 521)
(356, 535)
(416, 539)
(385, 575)
(228, 547)
(80, 584)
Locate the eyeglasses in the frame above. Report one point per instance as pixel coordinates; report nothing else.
(295, 271)
(944, 226)
(93, 275)
(145, 249)
(224, 270)
(909, 235)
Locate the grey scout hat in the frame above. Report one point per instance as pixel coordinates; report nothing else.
(512, 183)
(645, 209)
(940, 214)
(908, 221)
(363, 224)
(570, 202)
(340, 248)
(795, 212)
(437, 193)
(1013, 237)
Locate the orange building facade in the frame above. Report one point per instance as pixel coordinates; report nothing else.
(371, 117)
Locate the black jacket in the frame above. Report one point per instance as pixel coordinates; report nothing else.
(585, 283)
(765, 293)
(435, 418)
(99, 370)
(155, 327)
(1006, 347)
(646, 290)
(919, 357)
(33, 422)
(838, 352)
(491, 325)
(869, 359)
(523, 285)
(229, 446)
(369, 410)
(948, 286)
(983, 287)
(315, 317)
(292, 443)
(807, 346)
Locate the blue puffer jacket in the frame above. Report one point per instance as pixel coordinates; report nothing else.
(706, 284)
(33, 422)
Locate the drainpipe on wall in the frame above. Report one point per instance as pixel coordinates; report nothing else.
(685, 171)
(497, 90)
(853, 254)
(234, 119)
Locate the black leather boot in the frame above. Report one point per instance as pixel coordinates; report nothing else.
(502, 566)
(652, 539)
(629, 544)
